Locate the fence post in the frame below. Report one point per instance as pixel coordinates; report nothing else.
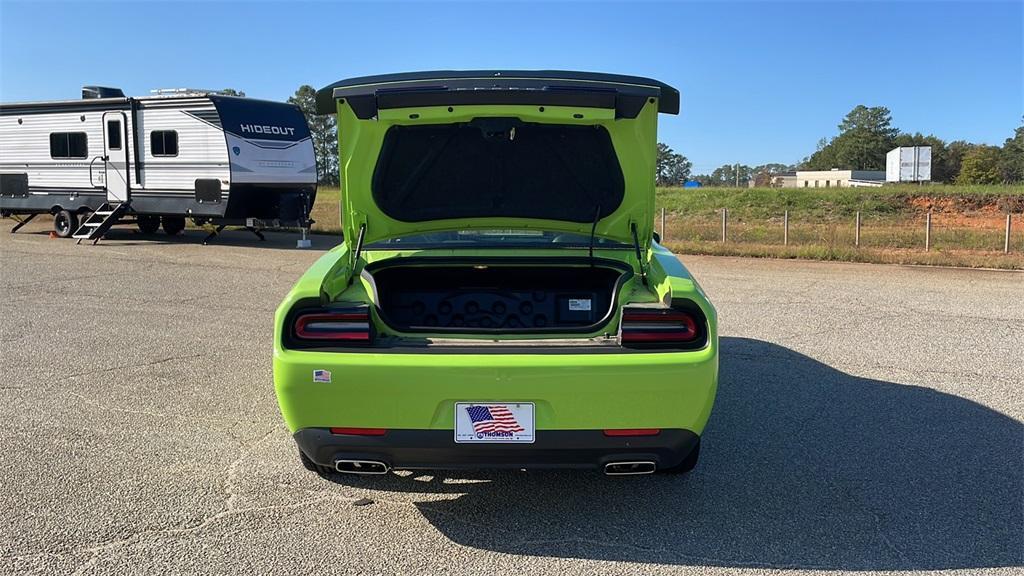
(662, 223)
(725, 224)
(1006, 239)
(785, 229)
(928, 231)
(856, 237)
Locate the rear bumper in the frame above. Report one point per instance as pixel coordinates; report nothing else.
(436, 449)
(672, 390)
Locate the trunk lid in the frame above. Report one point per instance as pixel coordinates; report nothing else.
(442, 151)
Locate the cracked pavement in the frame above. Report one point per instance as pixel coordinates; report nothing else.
(869, 418)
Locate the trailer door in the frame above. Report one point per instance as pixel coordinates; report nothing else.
(115, 156)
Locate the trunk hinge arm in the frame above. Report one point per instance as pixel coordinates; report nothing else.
(639, 253)
(358, 251)
(593, 231)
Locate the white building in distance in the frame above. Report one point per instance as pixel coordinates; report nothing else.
(835, 178)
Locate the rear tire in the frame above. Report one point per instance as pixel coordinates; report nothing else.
(688, 463)
(313, 466)
(148, 224)
(65, 223)
(173, 225)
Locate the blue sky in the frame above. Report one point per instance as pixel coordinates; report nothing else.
(760, 82)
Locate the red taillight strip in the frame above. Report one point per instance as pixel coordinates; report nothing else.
(350, 326)
(656, 316)
(632, 432)
(654, 337)
(360, 431)
(654, 326)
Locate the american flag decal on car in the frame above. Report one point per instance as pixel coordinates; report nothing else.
(492, 419)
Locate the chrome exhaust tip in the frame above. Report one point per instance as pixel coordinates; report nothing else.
(629, 468)
(360, 467)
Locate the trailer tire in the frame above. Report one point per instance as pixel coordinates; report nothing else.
(65, 223)
(173, 225)
(148, 224)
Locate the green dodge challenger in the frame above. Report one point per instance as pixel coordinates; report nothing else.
(500, 299)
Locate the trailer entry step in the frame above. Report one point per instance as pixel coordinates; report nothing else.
(97, 224)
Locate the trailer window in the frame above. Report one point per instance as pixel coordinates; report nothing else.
(114, 134)
(69, 145)
(163, 143)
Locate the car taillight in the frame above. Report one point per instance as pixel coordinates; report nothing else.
(659, 326)
(348, 326)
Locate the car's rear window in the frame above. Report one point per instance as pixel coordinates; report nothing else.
(498, 167)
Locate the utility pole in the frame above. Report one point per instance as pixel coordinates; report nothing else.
(736, 169)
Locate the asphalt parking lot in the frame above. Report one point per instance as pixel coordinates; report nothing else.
(869, 418)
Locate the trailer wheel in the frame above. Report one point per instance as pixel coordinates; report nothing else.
(65, 223)
(173, 225)
(148, 224)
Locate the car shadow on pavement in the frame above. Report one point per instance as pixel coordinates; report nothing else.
(802, 466)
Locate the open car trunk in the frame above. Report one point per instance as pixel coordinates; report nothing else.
(467, 298)
(559, 151)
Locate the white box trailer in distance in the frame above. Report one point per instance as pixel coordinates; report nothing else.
(909, 164)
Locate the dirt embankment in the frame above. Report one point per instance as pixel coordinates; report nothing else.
(968, 211)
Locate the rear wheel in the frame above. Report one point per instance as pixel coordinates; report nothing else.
(148, 224)
(688, 463)
(173, 225)
(65, 223)
(308, 464)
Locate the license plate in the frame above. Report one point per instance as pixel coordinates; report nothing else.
(494, 422)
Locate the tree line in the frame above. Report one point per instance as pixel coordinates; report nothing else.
(865, 135)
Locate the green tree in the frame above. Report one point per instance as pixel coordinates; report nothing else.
(981, 166)
(726, 175)
(232, 92)
(1011, 163)
(764, 173)
(702, 179)
(324, 131)
(824, 155)
(774, 168)
(671, 169)
(955, 152)
(865, 135)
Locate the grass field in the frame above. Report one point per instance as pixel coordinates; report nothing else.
(327, 211)
(968, 223)
(823, 204)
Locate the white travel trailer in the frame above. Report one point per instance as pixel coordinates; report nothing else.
(156, 160)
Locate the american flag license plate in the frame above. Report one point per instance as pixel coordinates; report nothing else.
(498, 423)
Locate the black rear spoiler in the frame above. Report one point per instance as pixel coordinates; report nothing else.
(625, 94)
